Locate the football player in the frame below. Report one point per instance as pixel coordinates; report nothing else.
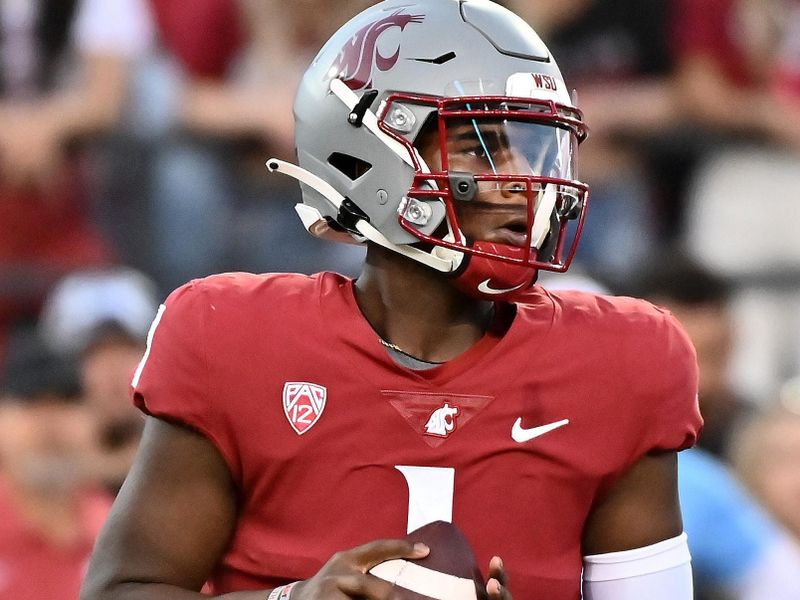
(293, 421)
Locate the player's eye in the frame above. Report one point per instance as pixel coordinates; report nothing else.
(478, 151)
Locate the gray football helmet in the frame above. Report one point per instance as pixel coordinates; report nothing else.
(465, 68)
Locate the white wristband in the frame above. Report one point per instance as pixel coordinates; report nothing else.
(283, 592)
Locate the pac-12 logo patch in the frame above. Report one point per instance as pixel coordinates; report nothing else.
(303, 404)
(360, 55)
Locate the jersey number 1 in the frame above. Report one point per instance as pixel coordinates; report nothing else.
(430, 494)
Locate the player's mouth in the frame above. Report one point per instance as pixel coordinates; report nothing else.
(513, 232)
(497, 223)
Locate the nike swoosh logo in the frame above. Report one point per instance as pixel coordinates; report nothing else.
(521, 435)
(487, 289)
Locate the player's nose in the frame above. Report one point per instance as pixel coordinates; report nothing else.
(517, 164)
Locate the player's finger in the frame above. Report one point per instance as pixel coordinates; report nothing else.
(365, 586)
(495, 591)
(497, 570)
(373, 553)
(496, 587)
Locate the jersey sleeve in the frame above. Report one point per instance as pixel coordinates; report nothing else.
(172, 380)
(665, 386)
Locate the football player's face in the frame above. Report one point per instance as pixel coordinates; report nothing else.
(498, 212)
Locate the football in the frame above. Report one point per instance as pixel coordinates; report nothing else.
(449, 572)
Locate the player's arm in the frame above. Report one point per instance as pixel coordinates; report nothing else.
(633, 543)
(172, 522)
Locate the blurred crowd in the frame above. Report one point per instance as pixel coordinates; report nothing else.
(132, 140)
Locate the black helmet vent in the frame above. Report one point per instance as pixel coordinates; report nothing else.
(350, 166)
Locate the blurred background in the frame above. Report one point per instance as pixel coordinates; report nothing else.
(132, 140)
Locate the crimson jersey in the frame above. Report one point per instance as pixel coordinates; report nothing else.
(332, 443)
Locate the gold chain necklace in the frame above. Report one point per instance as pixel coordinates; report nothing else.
(397, 348)
(392, 346)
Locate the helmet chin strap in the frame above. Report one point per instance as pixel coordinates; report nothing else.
(541, 218)
(310, 215)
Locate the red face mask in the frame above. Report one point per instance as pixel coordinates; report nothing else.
(504, 169)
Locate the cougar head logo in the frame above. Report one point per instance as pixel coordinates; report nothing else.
(442, 421)
(356, 60)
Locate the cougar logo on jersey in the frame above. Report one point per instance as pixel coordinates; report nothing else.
(442, 421)
(303, 404)
(356, 60)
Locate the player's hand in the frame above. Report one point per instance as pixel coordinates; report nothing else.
(346, 575)
(497, 584)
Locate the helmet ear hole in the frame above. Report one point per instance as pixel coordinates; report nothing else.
(350, 166)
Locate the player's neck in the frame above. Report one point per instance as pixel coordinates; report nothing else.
(417, 309)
